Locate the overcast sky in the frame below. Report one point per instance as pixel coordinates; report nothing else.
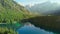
(26, 2)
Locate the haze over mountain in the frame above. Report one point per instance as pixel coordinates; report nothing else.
(46, 8)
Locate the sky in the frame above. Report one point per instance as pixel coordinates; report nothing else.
(32, 2)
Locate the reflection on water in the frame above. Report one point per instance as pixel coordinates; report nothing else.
(31, 29)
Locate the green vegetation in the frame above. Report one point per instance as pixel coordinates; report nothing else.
(10, 11)
(11, 14)
(5, 30)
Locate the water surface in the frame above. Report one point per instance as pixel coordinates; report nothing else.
(31, 29)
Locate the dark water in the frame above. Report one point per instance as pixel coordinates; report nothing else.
(31, 29)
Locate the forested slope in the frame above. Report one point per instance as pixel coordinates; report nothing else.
(11, 11)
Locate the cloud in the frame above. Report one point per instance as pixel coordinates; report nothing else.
(21, 4)
(30, 5)
(32, 2)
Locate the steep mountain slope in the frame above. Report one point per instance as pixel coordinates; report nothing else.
(10, 11)
(45, 8)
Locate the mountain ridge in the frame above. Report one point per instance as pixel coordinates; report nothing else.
(46, 7)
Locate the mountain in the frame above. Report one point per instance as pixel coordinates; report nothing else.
(46, 8)
(11, 11)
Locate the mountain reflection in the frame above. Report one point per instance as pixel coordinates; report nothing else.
(31, 29)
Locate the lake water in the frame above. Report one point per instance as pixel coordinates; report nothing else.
(31, 29)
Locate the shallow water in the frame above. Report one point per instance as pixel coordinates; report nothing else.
(31, 29)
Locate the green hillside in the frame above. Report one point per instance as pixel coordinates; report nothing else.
(10, 11)
(7, 31)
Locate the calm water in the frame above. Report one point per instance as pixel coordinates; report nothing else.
(31, 29)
